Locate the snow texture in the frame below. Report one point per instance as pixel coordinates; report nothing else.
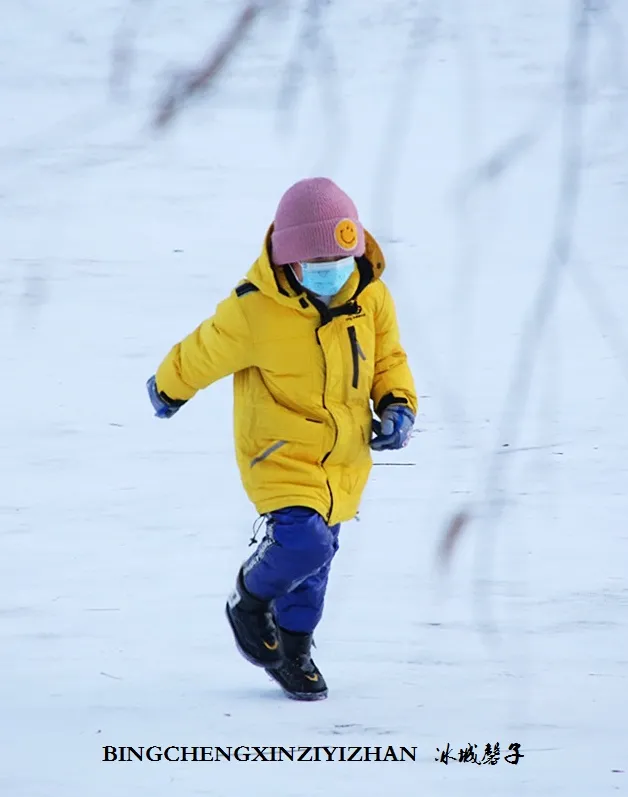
(486, 145)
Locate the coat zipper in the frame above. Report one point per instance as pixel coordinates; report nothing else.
(356, 354)
(331, 495)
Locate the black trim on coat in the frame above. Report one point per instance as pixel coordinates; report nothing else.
(173, 403)
(366, 272)
(387, 400)
(292, 281)
(246, 287)
(356, 355)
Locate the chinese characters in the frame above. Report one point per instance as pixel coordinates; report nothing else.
(470, 754)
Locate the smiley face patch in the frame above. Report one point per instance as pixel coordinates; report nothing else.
(346, 234)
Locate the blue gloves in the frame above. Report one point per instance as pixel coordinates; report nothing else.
(164, 407)
(394, 430)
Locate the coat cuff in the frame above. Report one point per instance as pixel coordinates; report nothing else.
(174, 403)
(387, 400)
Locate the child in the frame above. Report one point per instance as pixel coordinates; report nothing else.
(311, 337)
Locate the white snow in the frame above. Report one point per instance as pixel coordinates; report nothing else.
(121, 534)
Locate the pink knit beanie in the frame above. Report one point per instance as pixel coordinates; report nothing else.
(315, 219)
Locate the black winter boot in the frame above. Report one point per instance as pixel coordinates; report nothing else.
(298, 676)
(253, 627)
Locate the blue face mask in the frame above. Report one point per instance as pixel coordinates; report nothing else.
(326, 279)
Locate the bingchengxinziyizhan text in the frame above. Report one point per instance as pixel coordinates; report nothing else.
(246, 753)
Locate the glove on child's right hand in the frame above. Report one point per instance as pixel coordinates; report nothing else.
(164, 407)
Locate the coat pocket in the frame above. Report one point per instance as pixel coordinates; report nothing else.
(267, 452)
(356, 355)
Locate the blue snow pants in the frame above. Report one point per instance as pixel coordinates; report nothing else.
(291, 565)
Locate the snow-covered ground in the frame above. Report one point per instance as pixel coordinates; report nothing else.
(120, 535)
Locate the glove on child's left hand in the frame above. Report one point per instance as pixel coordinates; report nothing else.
(164, 407)
(395, 428)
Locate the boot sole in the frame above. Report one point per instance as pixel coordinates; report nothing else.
(267, 665)
(305, 697)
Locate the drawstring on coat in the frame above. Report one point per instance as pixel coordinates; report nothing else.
(259, 522)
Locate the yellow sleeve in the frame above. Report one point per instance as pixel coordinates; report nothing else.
(392, 381)
(220, 346)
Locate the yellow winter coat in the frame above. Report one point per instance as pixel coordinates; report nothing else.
(304, 375)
